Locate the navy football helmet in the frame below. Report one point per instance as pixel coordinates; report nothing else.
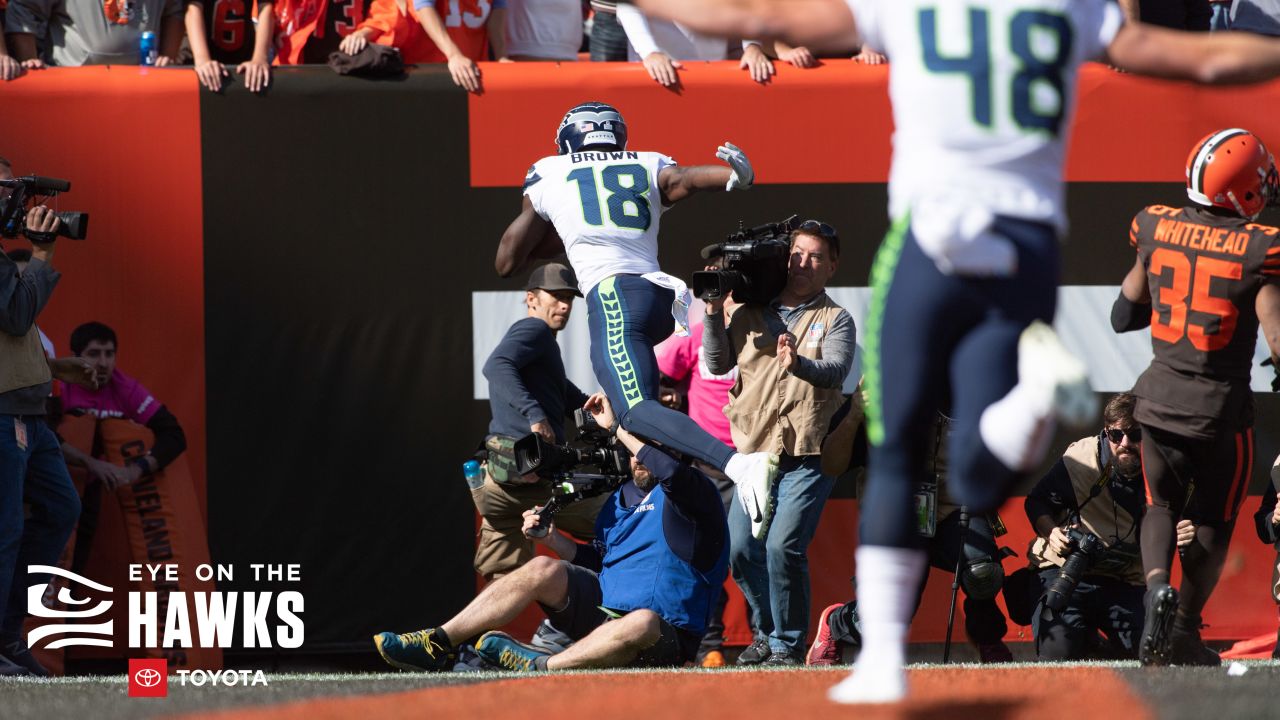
(591, 124)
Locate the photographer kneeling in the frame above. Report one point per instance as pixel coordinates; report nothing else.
(1087, 512)
(639, 595)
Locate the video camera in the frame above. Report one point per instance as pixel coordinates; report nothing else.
(563, 465)
(755, 264)
(30, 189)
(1086, 549)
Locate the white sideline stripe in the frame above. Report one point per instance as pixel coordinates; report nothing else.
(1084, 323)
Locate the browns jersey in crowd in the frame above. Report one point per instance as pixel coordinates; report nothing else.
(230, 28)
(1210, 275)
(311, 29)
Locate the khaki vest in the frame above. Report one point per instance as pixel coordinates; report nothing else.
(22, 362)
(1101, 516)
(770, 411)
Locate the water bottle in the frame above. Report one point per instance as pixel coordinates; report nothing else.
(147, 49)
(471, 471)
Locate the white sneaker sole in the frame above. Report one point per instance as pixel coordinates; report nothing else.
(1074, 401)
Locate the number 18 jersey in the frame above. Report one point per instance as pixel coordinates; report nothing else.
(1204, 270)
(605, 205)
(982, 95)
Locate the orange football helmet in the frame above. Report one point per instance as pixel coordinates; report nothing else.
(1232, 169)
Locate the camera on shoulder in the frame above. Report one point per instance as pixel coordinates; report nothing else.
(754, 264)
(29, 190)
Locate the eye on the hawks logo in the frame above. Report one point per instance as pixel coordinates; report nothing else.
(148, 677)
(37, 607)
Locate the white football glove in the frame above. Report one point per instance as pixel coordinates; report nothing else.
(743, 175)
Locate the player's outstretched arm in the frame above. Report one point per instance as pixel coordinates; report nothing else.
(820, 24)
(1132, 309)
(1214, 58)
(529, 235)
(1267, 305)
(677, 182)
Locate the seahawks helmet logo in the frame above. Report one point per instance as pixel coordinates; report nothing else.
(591, 124)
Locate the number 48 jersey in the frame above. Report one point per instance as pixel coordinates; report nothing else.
(982, 95)
(605, 205)
(1204, 271)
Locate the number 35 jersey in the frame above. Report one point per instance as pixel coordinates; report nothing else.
(982, 95)
(1204, 270)
(605, 205)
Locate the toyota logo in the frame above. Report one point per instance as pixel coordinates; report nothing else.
(147, 677)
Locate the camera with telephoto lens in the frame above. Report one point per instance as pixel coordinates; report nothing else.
(754, 264)
(575, 473)
(1086, 548)
(32, 189)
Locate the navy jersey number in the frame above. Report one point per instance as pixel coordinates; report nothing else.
(627, 204)
(1034, 67)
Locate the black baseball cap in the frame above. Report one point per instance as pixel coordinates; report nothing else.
(552, 277)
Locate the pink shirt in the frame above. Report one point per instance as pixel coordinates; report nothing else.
(121, 397)
(681, 357)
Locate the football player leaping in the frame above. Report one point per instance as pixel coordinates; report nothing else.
(1204, 277)
(982, 97)
(604, 203)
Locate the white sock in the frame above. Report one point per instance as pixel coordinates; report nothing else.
(1018, 427)
(888, 578)
(737, 467)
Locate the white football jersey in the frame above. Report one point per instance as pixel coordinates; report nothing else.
(605, 205)
(983, 94)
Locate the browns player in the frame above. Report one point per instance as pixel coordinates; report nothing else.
(1204, 278)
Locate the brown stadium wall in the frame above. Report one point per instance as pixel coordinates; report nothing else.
(293, 274)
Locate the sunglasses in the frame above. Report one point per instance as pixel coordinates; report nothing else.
(1115, 435)
(817, 226)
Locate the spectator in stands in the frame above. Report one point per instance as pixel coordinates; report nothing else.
(1255, 16)
(868, 56)
(662, 44)
(680, 358)
(638, 596)
(308, 31)
(1096, 487)
(608, 40)
(32, 472)
(544, 29)
(940, 518)
(1177, 14)
(219, 37)
(10, 67)
(459, 34)
(792, 356)
(1267, 520)
(91, 32)
(528, 392)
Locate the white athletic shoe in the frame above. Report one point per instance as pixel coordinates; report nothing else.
(755, 490)
(1043, 361)
(870, 685)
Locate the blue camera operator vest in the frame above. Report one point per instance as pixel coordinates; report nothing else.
(640, 571)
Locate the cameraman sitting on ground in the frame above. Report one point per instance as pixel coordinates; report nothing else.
(1095, 488)
(638, 596)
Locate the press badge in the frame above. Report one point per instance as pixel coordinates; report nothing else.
(813, 337)
(926, 502)
(20, 433)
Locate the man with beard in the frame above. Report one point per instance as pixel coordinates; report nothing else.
(1096, 487)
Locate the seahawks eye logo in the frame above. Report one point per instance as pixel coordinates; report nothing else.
(36, 607)
(532, 176)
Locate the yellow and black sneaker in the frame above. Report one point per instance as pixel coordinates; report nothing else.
(418, 651)
(500, 648)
